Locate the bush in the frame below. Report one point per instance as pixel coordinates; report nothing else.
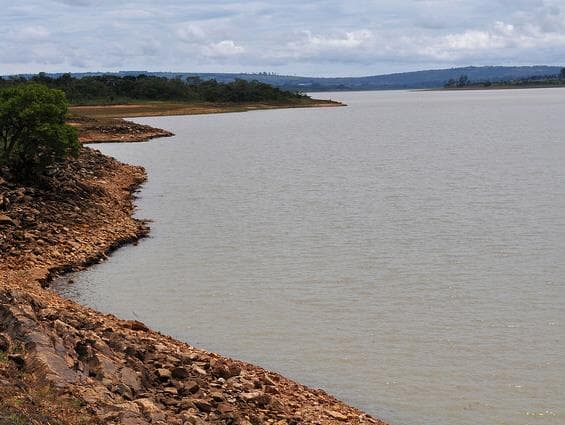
(33, 133)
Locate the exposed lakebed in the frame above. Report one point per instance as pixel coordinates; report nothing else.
(405, 253)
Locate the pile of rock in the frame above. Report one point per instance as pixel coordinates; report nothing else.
(128, 374)
(68, 218)
(113, 130)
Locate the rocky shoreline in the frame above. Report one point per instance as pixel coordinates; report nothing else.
(113, 130)
(61, 362)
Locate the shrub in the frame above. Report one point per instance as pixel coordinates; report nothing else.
(33, 133)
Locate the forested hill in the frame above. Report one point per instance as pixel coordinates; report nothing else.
(96, 89)
(405, 80)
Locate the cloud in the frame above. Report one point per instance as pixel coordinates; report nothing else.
(29, 33)
(223, 49)
(323, 37)
(190, 33)
(80, 3)
(348, 40)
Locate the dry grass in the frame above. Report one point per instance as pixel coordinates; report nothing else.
(25, 400)
(147, 109)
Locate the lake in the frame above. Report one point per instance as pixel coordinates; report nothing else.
(405, 253)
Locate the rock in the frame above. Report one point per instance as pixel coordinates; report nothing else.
(276, 405)
(252, 396)
(136, 325)
(268, 381)
(130, 377)
(129, 419)
(160, 347)
(224, 370)
(217, 396)
(106, 367)
(106, 417)
(336, 415)
(163, 374)
(257, 397)
(202, 405)
(180, 373)
(171, 391)
(6, 221)
(158, 418)
(4, 343)
(191, 387)
(193, 420)
(147, 406)
(186, 404)
(63, 328)
(271, 390)
(224, 408)
(49, 314)
(124, 391)
(199, 370)
(18, 359)
(134, 352)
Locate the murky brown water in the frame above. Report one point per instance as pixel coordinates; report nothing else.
(406, 253)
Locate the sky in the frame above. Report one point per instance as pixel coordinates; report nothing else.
(293, 37)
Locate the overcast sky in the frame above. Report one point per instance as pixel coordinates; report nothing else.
(304, 37)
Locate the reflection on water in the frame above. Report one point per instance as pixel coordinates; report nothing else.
(406, 253)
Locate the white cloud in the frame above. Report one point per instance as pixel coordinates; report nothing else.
(190, 32)
(336, 46)
(475, 40)
(223, 49)
(326, 37)
(349, 40)
(29, 33)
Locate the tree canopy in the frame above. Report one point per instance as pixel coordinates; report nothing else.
(532, 81)
(116, 89)
(33, 133)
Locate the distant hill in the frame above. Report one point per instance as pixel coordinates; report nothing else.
(405, 80)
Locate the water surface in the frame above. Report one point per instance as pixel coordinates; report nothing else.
(406, 253)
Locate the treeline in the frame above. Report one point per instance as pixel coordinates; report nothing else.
(118, 89)
(538, 80)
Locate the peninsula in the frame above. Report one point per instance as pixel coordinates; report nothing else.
(61, 362)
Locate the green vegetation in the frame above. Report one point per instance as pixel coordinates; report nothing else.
(33, 133)
(462, 81)
(112, 89)
(535, 81)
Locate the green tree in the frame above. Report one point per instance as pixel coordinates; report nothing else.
(463, 81)
(33, 133)
(562, 74)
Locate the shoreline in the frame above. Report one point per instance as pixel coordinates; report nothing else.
(156, 109)
(77, 365)
(106, 123)
(494, 87)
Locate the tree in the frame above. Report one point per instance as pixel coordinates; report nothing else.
(562, 74)
(463, 81)
(33, 133)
